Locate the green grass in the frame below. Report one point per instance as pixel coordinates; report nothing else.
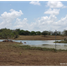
(27, 47)
(61, 41)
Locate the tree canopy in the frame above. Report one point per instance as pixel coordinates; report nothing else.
(7, 33)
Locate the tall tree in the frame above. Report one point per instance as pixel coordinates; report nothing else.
(27, 32)
(45, 33)
(38, 33)
(65, 32)
(32, 33)
(7, 33)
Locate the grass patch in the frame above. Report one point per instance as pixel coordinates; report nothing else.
(19, 46)
(27, 47)
(62, 41)
(20, 53)
(39, 37)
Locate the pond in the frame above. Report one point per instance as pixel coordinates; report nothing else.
(43, 43)
(37, 42)
(40, 42)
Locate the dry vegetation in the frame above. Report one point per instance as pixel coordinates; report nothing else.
(13, 55)
(40, 37)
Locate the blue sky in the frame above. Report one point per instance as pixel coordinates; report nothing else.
(33, 15)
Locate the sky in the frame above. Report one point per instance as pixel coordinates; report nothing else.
(34, 15)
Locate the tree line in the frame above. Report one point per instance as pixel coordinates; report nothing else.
(26, 32)
(8, 33)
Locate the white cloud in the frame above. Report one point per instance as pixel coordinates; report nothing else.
(8, 17)
(11, 15)
(55, 4)
(40, 24)
(48, 23)
(62, 22)
(43, 23)
(54, 25)
(53, 12)
(21, 23)
(35, 2)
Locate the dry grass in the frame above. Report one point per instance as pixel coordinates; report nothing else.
(16, 56)
(40, 37)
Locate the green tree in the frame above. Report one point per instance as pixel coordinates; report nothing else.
(15, 34)
(32, 33)
(22, 32)
(57, 33)
(50, 33)
(7, 33)
(38, 33)
(27, 32)
(65, 32)
(45, 33)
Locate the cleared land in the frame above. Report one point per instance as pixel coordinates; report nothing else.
(12, 54)
(40, 37)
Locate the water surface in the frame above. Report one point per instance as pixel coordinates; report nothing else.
(43, 43)
(38, 42)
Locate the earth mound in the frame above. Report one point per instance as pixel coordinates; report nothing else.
(7, 40)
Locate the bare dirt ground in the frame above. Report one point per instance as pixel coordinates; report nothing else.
(40, 37)
(16, 56)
